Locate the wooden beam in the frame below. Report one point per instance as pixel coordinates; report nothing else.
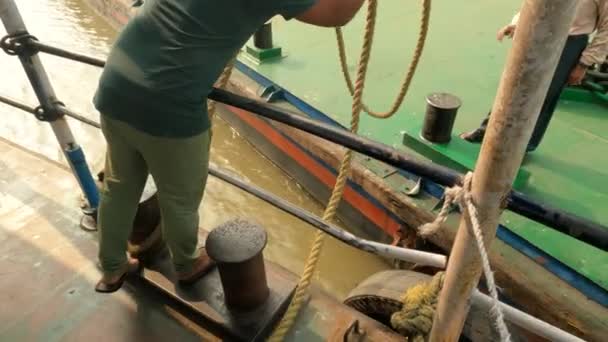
(540, 36)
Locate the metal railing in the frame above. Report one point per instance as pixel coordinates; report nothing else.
(577, 227)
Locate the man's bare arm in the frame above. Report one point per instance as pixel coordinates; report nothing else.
(331, 13)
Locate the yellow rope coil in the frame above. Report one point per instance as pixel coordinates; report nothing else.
(415, 319)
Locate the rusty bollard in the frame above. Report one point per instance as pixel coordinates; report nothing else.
(237, 248)
(440, 115)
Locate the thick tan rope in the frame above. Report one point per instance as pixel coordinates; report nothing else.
(336, 195)
(405, 85)
(344, 170)
(461, 195)
(221, 83)
(357, 106)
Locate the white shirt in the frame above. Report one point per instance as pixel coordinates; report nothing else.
(591, 16)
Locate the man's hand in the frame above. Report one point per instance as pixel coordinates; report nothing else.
(577, 75)
(507, 31)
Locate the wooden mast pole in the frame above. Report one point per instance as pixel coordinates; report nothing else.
(540, 37)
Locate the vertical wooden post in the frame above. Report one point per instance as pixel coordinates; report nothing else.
(539, 39)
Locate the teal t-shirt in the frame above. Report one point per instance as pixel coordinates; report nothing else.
(167, 58)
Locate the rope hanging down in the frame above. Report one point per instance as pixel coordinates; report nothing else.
(463, 198)
(405, 85)
(345, 166)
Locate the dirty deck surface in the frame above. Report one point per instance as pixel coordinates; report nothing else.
(461, 57)
(48, 270)
(48, 267)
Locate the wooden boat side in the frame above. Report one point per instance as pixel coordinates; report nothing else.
(523, 280)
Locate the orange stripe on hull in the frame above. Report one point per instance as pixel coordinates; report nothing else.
(372, 212)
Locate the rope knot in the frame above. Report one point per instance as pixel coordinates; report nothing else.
(461, 195)
(415, 318)
(456, 195)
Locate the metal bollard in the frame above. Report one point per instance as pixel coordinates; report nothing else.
(440, 115)
(262, 39)
(237, 248)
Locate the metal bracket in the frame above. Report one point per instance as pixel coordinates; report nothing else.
(415, 191)
(16, 44)
(354, 333)
(272, 93)
(48, 114)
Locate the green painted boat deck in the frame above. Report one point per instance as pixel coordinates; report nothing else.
(570, 168)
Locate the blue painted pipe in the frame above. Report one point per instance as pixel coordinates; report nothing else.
(83, 175)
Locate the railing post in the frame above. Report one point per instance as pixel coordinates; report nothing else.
(539, 39)
(14, 24)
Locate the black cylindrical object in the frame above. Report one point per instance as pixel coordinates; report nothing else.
(262, 39)
(237, 248)
(440, 115)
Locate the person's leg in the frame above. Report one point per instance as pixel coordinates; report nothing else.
(179, 168)
(568, 60)
(124, 179)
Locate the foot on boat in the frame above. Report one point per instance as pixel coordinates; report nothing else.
(474, 136)
(202, 265)
(112, 282)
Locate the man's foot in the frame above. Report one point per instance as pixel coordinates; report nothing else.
(202, 265)
(112, 282)
(474, 136)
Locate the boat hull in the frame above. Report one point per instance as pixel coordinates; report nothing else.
(526, 281)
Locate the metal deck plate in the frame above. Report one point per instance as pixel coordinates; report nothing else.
(207, 298)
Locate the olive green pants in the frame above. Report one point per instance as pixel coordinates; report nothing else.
(179, 169)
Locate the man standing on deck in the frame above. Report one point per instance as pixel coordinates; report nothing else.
(152, 99)
(577, 56)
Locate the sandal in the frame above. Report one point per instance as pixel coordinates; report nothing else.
(202, 266)
(104, 286)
